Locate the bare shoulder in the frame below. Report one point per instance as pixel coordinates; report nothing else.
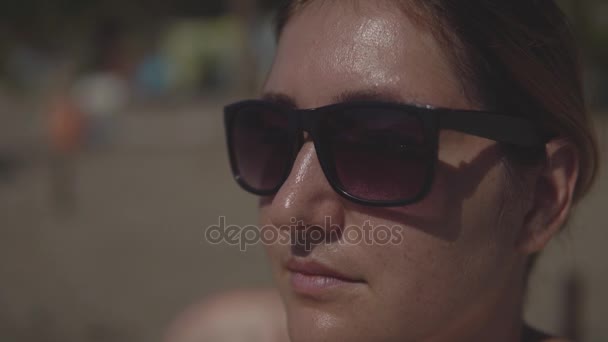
(243, 315)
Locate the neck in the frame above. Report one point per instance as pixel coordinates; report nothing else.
(497, 317)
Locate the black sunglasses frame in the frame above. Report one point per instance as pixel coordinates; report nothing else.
(485, 124)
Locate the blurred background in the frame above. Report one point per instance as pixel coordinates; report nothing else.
(112, 165)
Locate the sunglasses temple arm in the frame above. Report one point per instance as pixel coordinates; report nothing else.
(501, 128)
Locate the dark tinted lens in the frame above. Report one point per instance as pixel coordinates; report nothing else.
(379, 155)
(261, 147)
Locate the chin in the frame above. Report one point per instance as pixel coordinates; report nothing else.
(310, 321)
(313, 324)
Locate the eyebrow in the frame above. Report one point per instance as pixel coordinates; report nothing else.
(344, 97)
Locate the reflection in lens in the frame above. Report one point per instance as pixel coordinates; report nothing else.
(380, 155)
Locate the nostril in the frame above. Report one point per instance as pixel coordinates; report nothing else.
(303, 241)
(300, 250)
(305, 238)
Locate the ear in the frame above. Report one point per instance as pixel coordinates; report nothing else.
(553, 196)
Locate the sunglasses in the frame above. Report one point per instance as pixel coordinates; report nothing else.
(372, 153)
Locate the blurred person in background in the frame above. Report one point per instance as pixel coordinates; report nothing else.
(102, 91)
(101, 96)
(462, 124)
(67, 135)
(153, 75)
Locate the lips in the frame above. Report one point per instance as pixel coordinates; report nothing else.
(312, 279)
(315, 269)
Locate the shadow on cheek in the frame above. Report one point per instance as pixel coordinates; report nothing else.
(440, 213)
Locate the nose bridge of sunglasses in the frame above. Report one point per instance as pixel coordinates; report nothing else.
(305, 120)
(303, 137)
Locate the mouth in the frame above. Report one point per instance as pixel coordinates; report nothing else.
(313, 279)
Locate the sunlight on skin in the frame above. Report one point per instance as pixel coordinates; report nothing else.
(459, 267)
(458, 273)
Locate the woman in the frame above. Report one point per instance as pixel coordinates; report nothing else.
(460, 125)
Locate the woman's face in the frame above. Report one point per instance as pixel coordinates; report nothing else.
(456, 253)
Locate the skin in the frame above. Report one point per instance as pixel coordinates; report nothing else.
(238, 316)
(458, 273)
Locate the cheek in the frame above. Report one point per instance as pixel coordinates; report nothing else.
(454, 250)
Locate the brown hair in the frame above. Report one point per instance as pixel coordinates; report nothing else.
(516, 56)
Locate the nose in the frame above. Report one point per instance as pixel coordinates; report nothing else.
(306, 200)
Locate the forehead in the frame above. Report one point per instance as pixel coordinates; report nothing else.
(336, 47)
